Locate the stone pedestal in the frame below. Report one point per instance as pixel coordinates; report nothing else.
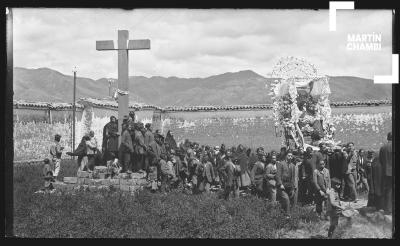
(100, 179)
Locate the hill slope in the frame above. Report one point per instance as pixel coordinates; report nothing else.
(243, 87)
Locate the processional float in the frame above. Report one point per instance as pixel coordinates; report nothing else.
(301, 105)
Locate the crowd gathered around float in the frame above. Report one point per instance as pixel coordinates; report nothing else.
(310, 168)
(324, 178)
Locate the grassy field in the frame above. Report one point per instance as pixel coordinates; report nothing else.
(147, 215)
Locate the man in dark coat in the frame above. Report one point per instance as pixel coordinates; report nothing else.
(80, 151)
(306, 190)
(257, 176)
(125, 149)
(375, 175)
(231, 179)
(253, 158)
(208, 175)
(282, 154)
(243, 160)
(285, 181)
(337, 161)
(324, 155)
(156, 149)
(170, 141)
(343, 163)
(361, 163)
(110, 139)
(351, 173)
(220, 161)
(148, 141)
(139, 147)
(385, 157)
(132, 116)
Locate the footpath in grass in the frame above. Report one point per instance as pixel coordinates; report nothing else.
(173, 215)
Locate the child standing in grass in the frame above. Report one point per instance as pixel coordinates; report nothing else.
(48, 175)
(56, 151)
(322, 182)
(334, 207)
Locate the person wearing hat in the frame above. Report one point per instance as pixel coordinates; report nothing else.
(282, 154)
(285, 179)
(209, 174)
(273, 152)
(192, 167)
(80, 151)
(132, 116)
(339, 166)
(139, 147)
(170, 141)
(243, 161)
(375, 175)
(297, 163)
(257, 176)
(157, 134)
(322, 182)
(334, 207)
(385, 157)
(324, 154)
(125, 119)
(306, 175)
(361, 169)
(200, 173)
(220, 161)
(91, 150)
(148, 141)
(110, 139)
(55, 152)
(351, 172)
(270, 176)
(113, 165)
(231, 178)
(253, 158)
(126, 149)
(180, 168)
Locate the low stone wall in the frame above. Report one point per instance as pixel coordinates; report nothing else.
(100, 179)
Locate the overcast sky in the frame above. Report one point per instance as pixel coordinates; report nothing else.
(199, 43)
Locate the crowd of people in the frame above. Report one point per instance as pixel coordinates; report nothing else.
(324, 177)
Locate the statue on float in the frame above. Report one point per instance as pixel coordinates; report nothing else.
(301, 105)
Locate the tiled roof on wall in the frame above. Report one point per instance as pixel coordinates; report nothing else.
(24, 103)
(140, 106)
(107, 102)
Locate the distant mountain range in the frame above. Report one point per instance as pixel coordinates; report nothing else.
(237, 88)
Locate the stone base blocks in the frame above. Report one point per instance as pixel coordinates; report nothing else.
(100, 179)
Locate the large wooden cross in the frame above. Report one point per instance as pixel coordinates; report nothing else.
(124, 44)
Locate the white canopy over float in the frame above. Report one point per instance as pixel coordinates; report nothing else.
(301, 104)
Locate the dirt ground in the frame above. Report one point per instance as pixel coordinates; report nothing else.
(376, 226)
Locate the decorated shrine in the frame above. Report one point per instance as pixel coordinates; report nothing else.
(301, 106)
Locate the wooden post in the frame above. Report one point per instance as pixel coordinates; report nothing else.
(49, 114)
(123, 77)
(73, 114)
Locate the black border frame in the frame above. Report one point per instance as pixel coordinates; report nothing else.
(7, 71)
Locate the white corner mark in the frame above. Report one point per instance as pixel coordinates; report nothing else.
(333, 6)
(390, 79)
